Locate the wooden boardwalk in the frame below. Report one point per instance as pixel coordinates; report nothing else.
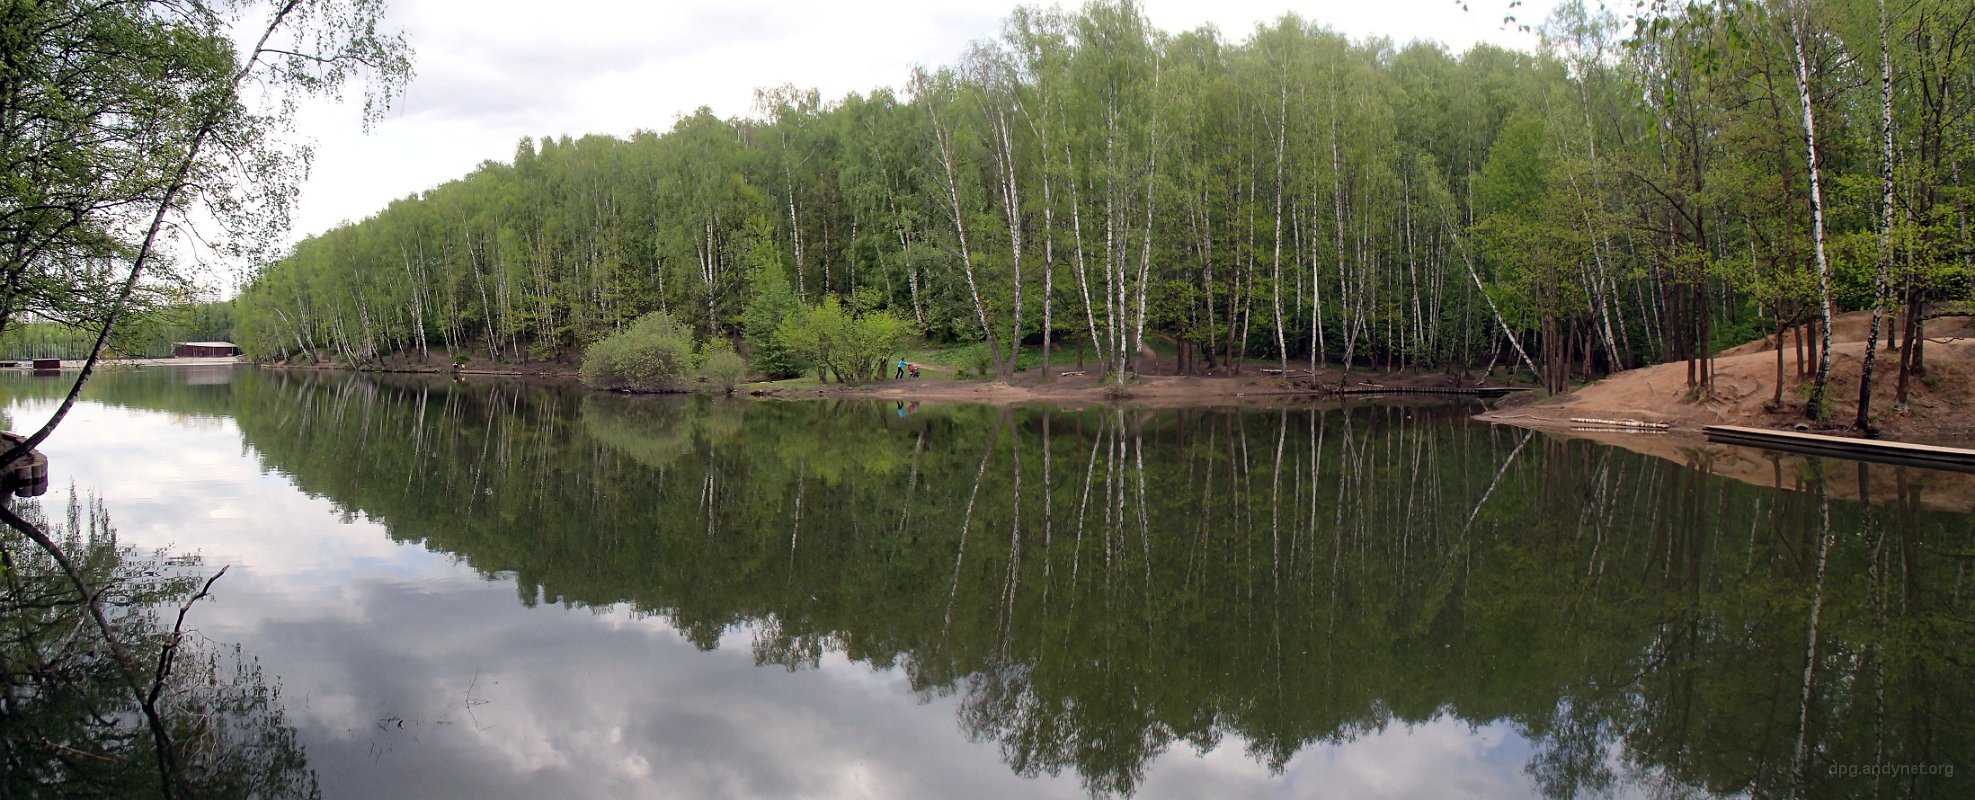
(1903, 453)
(1478, 391)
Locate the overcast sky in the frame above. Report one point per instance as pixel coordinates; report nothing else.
(493, 71)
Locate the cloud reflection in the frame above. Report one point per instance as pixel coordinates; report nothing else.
(410, 674)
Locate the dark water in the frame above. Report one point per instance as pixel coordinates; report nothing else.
(516, 590)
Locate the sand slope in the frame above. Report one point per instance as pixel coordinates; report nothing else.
(1745, 387)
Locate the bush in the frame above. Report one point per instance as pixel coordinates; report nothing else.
(721, 366)
(854, 348)
(652, 355)
(974, 358)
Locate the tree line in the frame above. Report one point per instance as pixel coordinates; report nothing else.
(1639, 190)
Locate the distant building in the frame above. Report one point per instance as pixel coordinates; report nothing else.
(204, 350)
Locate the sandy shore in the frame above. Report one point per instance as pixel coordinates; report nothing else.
(1745, 391)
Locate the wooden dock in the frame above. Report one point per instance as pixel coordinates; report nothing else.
(1475, 391)
(1902, 453)
(28, 477)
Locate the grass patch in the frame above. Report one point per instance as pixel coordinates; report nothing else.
(805, 381)
(962, 358)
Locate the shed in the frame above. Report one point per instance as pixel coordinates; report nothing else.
(204, 350)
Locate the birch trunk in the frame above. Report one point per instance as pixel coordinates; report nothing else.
(1816, 410)
(1864, 420)
(944, 140)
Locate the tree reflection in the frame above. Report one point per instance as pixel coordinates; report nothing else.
(1099, 587)
(70, 725)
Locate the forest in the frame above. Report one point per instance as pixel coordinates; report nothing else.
(1640, 190)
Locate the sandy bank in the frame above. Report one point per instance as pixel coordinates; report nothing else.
(1745, 388)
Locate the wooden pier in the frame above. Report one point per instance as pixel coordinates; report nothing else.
(1473, 391)
(28, 477)
(1902, 453)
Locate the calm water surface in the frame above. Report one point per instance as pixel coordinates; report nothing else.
(501, 589)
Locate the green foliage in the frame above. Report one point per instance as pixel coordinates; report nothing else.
(720, 366)
(853, 348)
(652, 355)
(1290, 194)
(874, 339)
(125, 121)
(772, 304)
(973, 359)
(149, 334)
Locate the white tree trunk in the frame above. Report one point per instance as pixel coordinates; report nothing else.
(1817, 398)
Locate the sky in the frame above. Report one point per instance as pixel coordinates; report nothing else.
(494, 71)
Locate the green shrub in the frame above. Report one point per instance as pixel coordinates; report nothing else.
(853, 347)
(721, 366)
(652, 355)
(974, 358)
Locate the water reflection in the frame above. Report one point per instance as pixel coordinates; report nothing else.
(1093, 589)
(72, 723)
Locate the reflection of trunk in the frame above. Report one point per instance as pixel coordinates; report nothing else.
(1496, 482)
(795, 514)
(1275, 505)
(1824, 542)
(1083, 509)
(911, 482)
(966, 521)
(1876, 571)
(1013, 578)
(1048, 511)
(1144, 524)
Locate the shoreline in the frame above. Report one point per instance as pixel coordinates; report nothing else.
(1145, 391)
(1070, 390)
(1681, 441)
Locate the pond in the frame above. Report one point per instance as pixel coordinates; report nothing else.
(520, 589)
